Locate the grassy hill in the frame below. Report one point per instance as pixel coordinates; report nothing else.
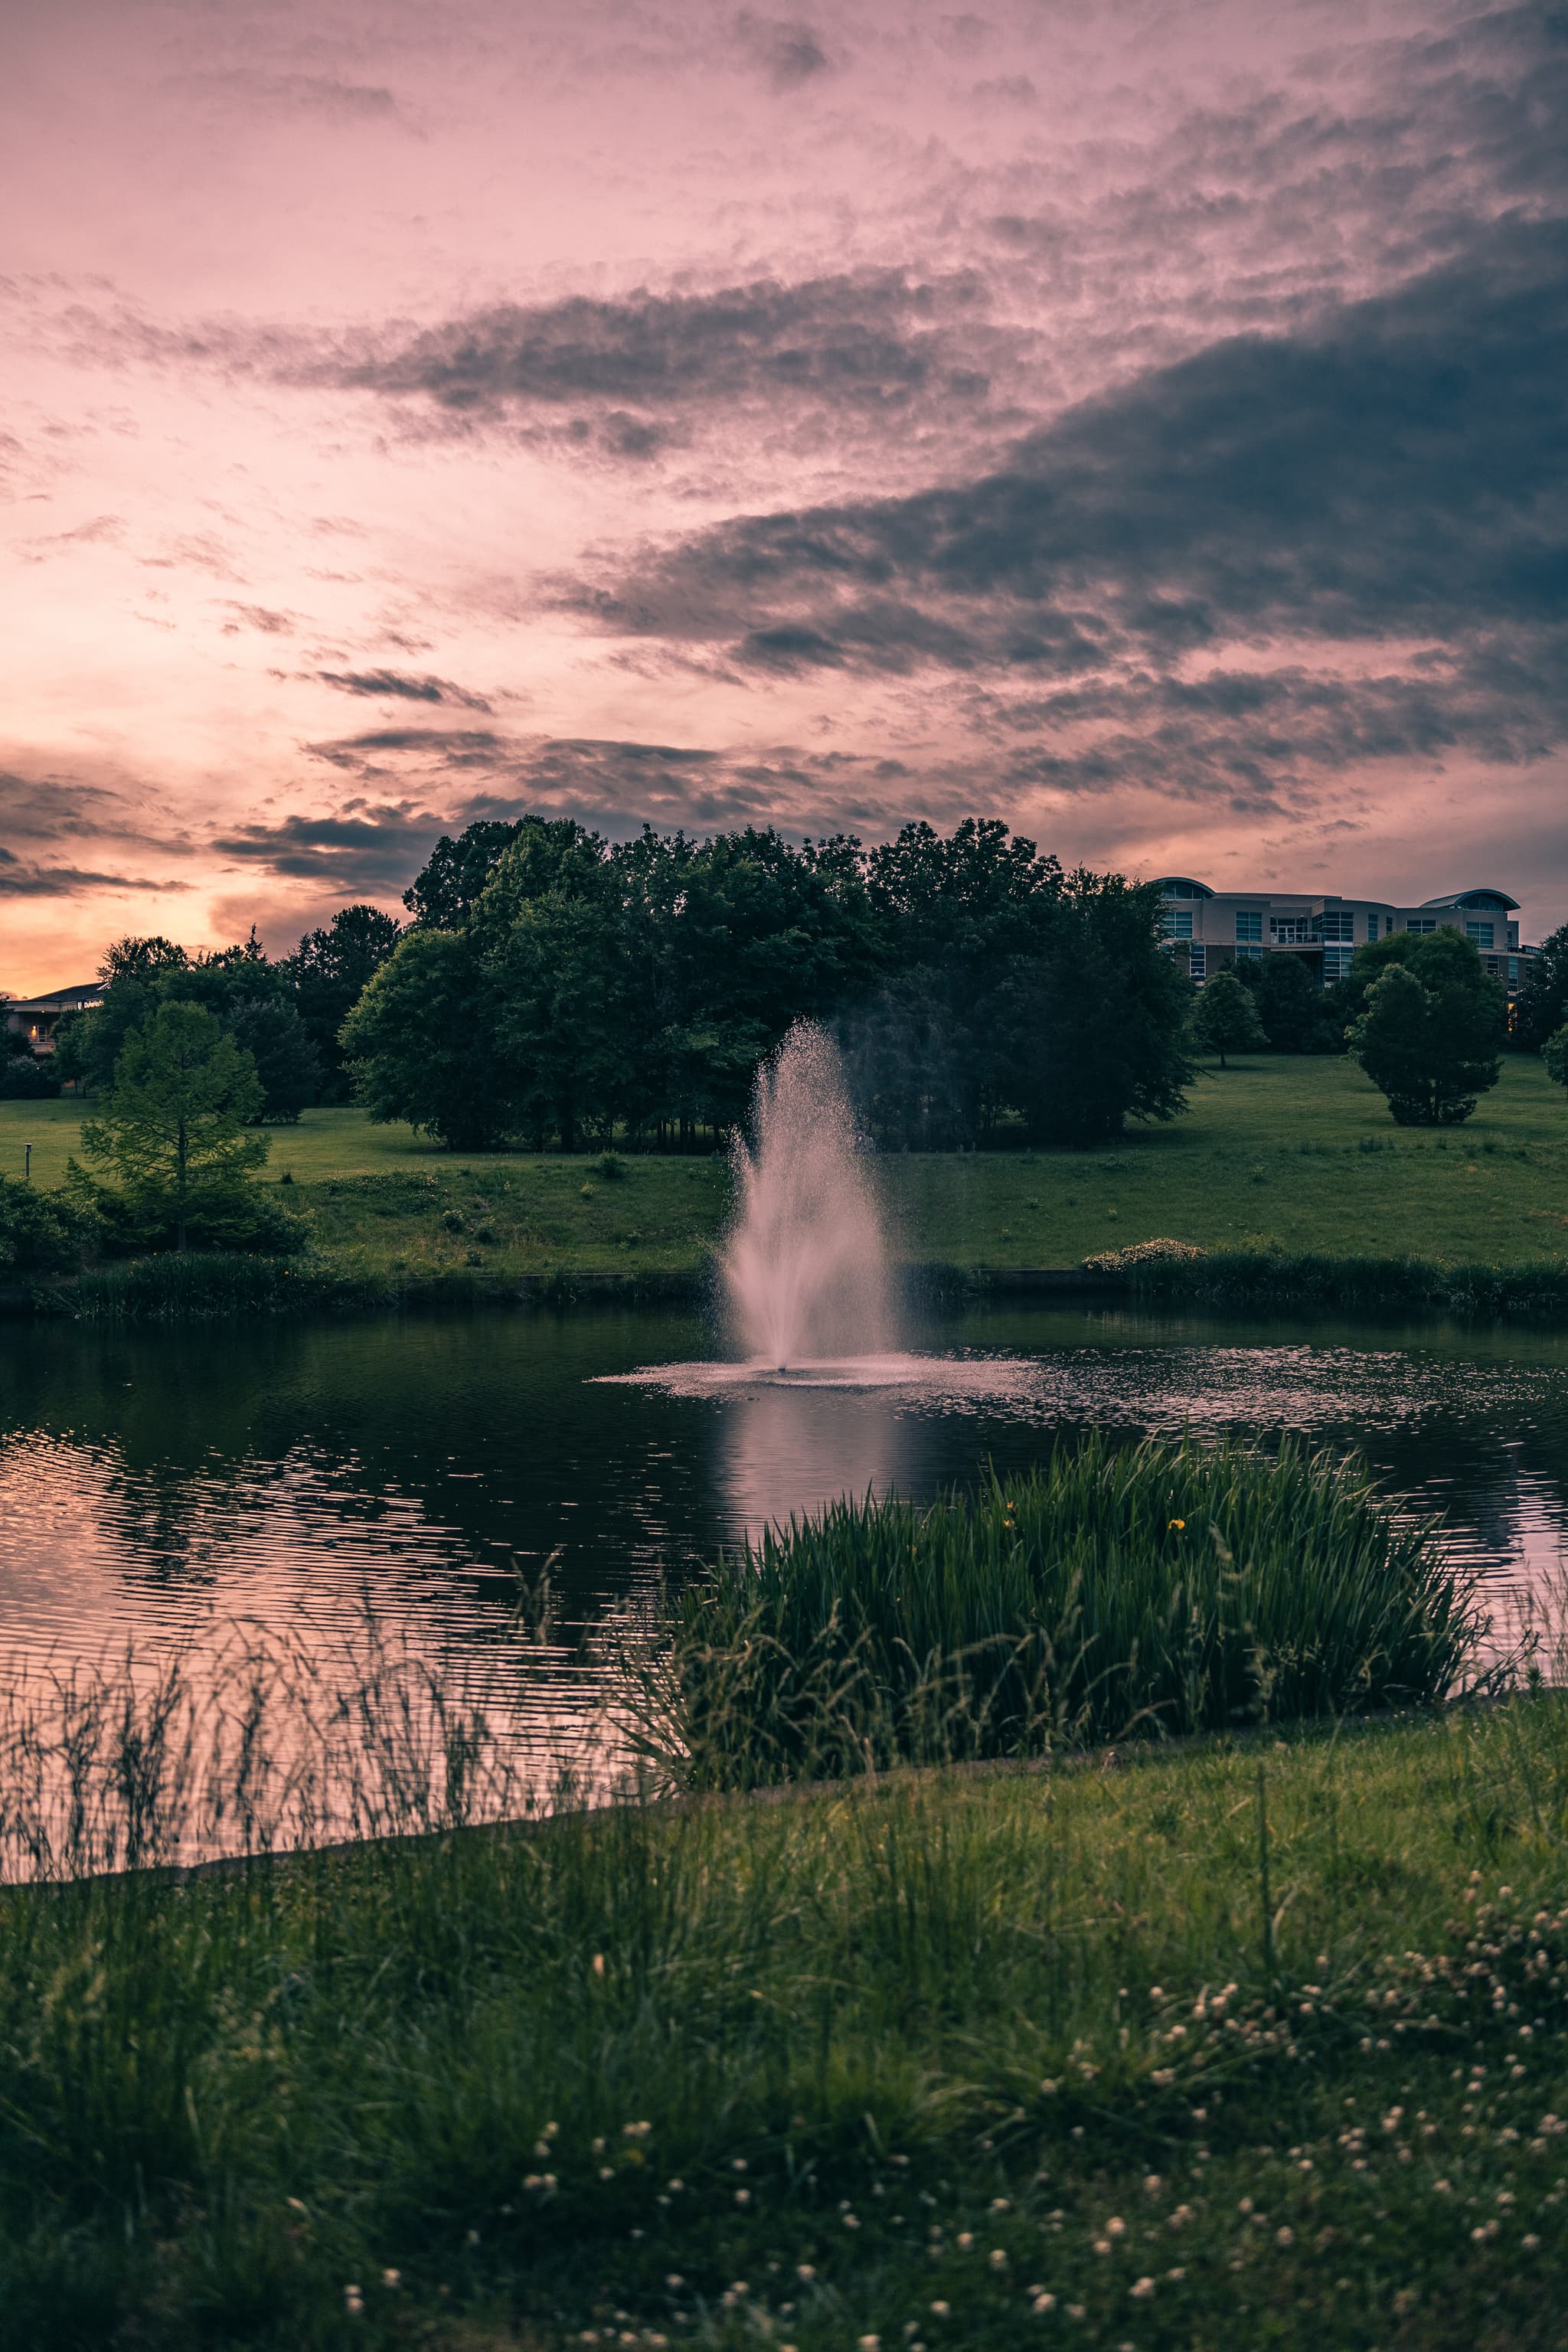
(1293, 1151)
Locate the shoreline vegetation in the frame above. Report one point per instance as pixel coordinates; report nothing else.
(1260, 2036)
(1287, 1174)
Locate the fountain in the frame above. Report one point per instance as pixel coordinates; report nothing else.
(804, 1264)
(808, 1297)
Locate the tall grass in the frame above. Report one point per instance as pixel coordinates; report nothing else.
(197, 1285)
(720, 2074)
(1147, 1590)
(1458, 1287)
(265, 1745)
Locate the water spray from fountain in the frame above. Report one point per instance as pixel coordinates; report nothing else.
(805, 1265)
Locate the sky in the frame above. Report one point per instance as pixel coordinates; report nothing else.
(1144, 424)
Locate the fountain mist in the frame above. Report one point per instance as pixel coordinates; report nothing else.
(805, 1264)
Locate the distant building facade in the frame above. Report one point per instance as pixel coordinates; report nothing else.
(36, 1018)
(1216, 929)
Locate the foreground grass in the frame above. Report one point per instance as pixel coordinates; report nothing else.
(1221, 2048)
(1290, 1152)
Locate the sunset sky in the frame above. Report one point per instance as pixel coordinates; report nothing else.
(1146, 423)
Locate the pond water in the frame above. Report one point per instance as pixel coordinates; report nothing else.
(156, 1486)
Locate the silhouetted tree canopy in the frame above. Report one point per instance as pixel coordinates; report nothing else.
(587, 988)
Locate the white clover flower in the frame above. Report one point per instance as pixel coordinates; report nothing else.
(1142, 2289)
(997, 2258)
(393, 2279)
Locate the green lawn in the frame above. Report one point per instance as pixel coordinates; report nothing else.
(1223, 2049)
(1298, 1151)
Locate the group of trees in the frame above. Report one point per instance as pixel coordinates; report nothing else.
(554, 986)
(286, 1014)
(1421, 1016)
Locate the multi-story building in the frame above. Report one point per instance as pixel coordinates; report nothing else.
(36, 1018)
(1216, 928)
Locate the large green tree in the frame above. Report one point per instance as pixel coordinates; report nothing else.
(329, 971)
(172, 1128)
(1225, 1019)
(1430, 1036)
(421, 1044)
(1542, 1006)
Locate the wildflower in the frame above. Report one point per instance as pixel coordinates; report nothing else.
(354, 2301)
(1530, 2242)
(296, 2205)
(393, 2279)
(965, 2240)
(674, 2282)
(1001, 2204)
(868, 2343)
(1152, 2184)
(1047, 2089)
(1178, 2273)
(598, 1964)
(739, 2164)
(1286, 2237)
(1142, 2289)
(998, 2258)
(1043, 2302)
(743, 2196)
(803, 2271)
(941, 2310)
(1176, 1523)
(851, 2220)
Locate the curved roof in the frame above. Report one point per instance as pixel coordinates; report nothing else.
(1467, 897)
(1184, 882)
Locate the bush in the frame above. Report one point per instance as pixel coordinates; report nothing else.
(25, 1079)
(1555, 1054)
(1145, 1591)
(40, 1233)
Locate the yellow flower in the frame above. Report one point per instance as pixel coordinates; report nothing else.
(1176, 1523)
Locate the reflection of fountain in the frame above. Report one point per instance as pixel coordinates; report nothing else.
(805, 1265)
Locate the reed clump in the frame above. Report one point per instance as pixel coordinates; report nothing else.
(1151, 1591)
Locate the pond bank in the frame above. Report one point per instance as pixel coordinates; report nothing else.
(203, 1287)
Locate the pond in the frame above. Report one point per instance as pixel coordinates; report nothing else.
(157, 1486)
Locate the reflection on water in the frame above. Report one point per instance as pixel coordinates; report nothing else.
(159, 1486)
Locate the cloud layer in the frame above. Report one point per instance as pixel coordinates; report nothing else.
(1146, 425)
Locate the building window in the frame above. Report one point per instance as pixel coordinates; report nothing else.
(1336, 964)
(1337, 927)
(1178, 922)
(1372, 927)
(1482, 933)
(1291, 930)
(1513, 971)
(1250, 927)
(1246, 952)
(1422, 923)
(1197, 964)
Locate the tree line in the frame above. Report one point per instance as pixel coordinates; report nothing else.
(557, 988)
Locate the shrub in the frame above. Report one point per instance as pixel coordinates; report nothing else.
(40, 1233)
(22, 1078)
(1144, 1591)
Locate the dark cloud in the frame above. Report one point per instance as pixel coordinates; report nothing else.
(869, 339)
(787, 50)
(322, 96)
(377, 845)
(1396, 474)
(397, 683)
(21, 880)
(260, 617)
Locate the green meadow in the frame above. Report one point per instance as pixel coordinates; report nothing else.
(1292, 1152)
(1260, 2044)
